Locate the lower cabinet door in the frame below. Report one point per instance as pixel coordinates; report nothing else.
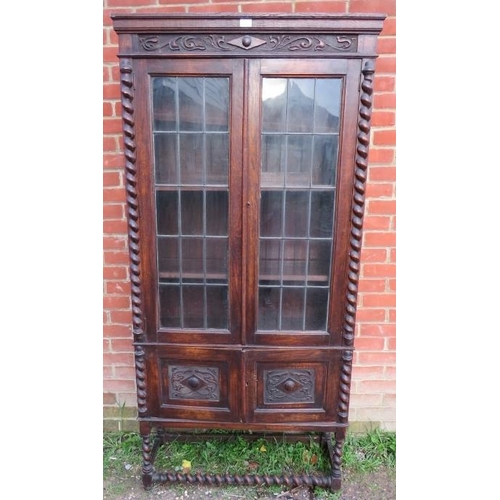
(194, 383)
(292, 385)
(245, 386)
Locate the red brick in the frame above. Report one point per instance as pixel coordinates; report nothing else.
(334, 6)
(369, 344)
(370, 315)
(107, 109)
(108, 398)
(118, 358)
(376, 358)
(384, 137)
(392, 255)
(379, 239)
(106, 18)
(379, 300)
(367, 372)
(382, 173)
(380, 155)
(392, 285)
(113, 211)
(383, 118)
(376, 223)
(111, 258)
(115, 272)
(267, 7)
(379, 190)
(393, 227)
(118, 288)
(121, 317)
(379, 270)
(112, 125)
(113, 37)
(389, 399)
(111, 179)
(384, 83)
(383, 330)
(164, 9)
(113, 331)
(116, 302)
(213, 8)
(115, 227)
(109, 144)
(376, 386)
(365, 285)
(364, 400)
(376, 413)
(125, 372)
(120, 385)
(384, 101)
(387, 45)
(110, 54)
(389, 27)
(115, 72)
(392, 315)
(113, 160)
(107, 372)
(380, 6)
(391, 343)
(385, 64)
(114, 195)
(374, 255)
(122, 345)
(110, 91)
(113, 243)
(135, 3)
(383, 207)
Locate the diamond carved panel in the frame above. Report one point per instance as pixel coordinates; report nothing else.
(289, 386)
(189, 382)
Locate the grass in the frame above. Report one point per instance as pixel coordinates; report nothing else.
(362, 453)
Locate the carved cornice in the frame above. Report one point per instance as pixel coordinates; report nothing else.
(233, 43)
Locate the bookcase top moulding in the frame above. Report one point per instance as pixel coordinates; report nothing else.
(360, 23)
(347, 35)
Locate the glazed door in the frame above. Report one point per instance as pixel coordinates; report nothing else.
(194, 127)
(302, 169)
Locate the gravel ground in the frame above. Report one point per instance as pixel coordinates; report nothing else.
(378, 485)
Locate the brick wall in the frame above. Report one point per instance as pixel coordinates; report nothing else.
(374, 378)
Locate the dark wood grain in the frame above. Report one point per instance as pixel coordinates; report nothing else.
(238, 377)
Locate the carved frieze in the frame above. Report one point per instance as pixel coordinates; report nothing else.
(188, 382)
(237, 43)
(289, 386)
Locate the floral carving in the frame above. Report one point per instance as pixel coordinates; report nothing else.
(277, 43)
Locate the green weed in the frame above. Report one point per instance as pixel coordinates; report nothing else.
(363, 453)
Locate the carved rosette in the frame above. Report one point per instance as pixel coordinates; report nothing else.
(265, 42)
(127, 94)
(358, 205)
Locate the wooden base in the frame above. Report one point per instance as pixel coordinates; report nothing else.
(332, 481)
